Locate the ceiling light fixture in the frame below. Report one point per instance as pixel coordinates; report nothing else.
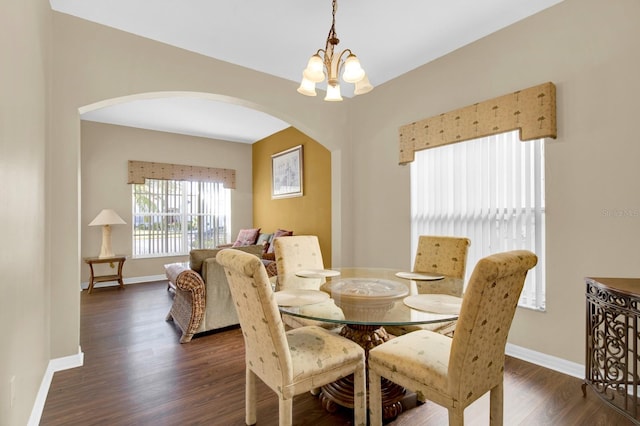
(325, 61)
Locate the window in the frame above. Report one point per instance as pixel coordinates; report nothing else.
(171, 217)
(490, 190)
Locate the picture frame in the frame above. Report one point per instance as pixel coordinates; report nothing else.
(286, 173)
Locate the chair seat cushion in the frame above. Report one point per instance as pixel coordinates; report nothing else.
(314, 349)
(413, 354)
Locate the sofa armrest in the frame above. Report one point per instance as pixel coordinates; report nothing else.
(189, 301)
(190, 280)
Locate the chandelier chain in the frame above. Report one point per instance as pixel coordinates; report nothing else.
(332, 38)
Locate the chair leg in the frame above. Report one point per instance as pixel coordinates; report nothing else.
(360, 396)
(250, 397)
(375, 399)
(496, 408)
(456, 417)
(285, 407)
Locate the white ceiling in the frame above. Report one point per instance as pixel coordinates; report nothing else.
(278, 37)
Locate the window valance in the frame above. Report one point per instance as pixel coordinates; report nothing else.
(532, 111)
(141, 170)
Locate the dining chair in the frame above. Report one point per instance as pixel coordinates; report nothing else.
(438, 255)
(442, 255)
(454, 372)
(296, 253)
(291, 362)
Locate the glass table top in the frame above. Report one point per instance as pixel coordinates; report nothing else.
(372, 296)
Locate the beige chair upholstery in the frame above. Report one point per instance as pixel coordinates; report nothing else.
(454, 372)
(292, 362)
(442, 256)
(296, 253)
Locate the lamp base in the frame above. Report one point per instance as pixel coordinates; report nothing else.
(105, 248)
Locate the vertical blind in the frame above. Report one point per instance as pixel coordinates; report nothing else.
(171, 217)
(490, 190)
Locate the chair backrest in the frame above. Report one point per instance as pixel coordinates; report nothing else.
(266, 348)
(442, 255)
(295, 253)
(476, 362)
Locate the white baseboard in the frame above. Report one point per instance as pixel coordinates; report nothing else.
(134, 280)
(547, 361)
(57, 364)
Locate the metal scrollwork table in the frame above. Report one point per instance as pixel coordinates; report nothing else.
(612, 363)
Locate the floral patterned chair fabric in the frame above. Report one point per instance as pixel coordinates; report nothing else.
(441, 256)
(296, 253)
(292, 362)
(454, 372)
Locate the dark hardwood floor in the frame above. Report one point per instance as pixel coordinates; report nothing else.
(136, 372)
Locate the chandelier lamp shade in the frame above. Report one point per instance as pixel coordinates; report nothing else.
(327, 63)
(106, 218)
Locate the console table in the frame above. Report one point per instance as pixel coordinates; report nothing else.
(612, 338)
(105, 278)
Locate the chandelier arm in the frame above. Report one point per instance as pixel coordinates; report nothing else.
(340, 61)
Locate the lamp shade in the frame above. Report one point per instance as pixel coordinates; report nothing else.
(333, 93)
(353, 72)
(307, 87)
(107, 217)
(363, 86)
(315, 69)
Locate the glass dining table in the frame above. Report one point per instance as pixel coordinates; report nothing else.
(362, 302)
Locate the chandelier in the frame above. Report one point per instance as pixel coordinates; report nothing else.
(325, 63)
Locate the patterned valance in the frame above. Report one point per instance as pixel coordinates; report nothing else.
(141, 170)
(532, 111)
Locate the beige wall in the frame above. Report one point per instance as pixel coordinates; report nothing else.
(95, 64)
(306, 215)
(586, 47)
(105, 150)
(589, 49)
(25, 45)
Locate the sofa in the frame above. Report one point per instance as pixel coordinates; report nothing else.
(254, 236)
(202, 300)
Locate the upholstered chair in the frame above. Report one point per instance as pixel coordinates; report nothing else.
(454, 372)
(442, 256)
(296, 253)
(291, 362)
(438, 255)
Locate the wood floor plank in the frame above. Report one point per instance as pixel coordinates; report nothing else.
(136, 372)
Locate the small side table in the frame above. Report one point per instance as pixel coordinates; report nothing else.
(104, 278)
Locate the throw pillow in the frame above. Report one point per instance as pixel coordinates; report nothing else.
(277, 234)
(246, 237)
(264, 240)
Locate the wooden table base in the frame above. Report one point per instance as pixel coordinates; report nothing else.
(341, 391)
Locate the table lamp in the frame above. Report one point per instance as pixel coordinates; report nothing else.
(106, 218)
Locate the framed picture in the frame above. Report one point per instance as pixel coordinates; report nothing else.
(286, 173)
